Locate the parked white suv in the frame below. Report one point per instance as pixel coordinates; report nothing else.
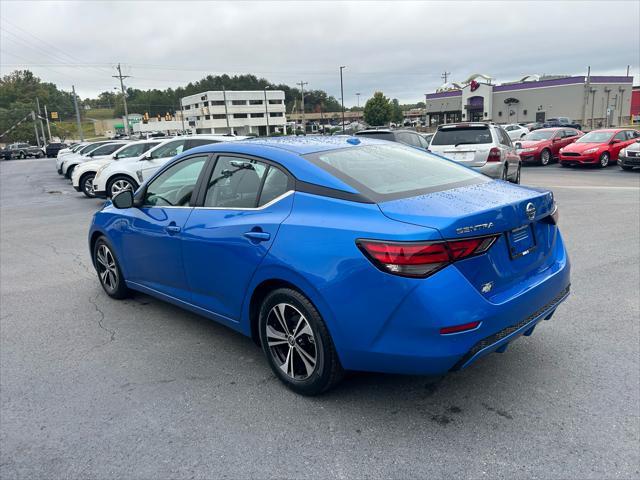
(84, 173)
(116, 177)
(102, 151)
(484, 147)
(515, 131)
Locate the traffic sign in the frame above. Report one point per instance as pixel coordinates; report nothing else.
(54, 115)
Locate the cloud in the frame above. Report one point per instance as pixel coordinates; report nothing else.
(400, 48)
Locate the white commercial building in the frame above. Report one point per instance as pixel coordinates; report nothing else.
(240, 112)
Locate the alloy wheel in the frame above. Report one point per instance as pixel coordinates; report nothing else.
(291, 341)
(88, 186)
(604, 159)
(107, 269)
(545, 156)
(120, 186)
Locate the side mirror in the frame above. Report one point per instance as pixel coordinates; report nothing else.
(114, 156)
(615, 140)
(123, 200)
(556, 139)
(146, 156)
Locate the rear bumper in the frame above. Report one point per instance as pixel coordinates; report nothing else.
(491, 169)
(628, 161)
(410, 341)
(530, 157)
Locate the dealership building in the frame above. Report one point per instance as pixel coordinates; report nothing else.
(240, 112)
(592, 101)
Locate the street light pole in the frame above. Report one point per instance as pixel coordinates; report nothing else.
(342, 96)
(124, 98)
(358, 97)
(266, 108)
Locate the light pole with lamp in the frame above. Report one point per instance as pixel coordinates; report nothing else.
(342, 96)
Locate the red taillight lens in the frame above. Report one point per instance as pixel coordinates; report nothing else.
(459, 328)
(494, 155)
(420, 259)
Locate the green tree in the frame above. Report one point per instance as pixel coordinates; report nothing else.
(397, 116)
(377, 110)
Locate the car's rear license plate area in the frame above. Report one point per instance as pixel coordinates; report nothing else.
(521, 241)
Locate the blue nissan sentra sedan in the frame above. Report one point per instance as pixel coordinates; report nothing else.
(339, 253)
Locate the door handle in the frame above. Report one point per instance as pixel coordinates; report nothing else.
(172, 229)
(257, 236)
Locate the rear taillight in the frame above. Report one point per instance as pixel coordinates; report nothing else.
(554, 216)
(421, 259)
(494, 155)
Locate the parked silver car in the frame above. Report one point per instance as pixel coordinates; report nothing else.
(485, 147)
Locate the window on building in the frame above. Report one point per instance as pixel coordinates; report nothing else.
(240, 115)
(207, 117)
(257, 115)
(275, 102)
(255, 102)
(238, 102)
(195, 105)
(187, 107)
(216, 102)
(205, 104)
(218, 116)
(275, 114)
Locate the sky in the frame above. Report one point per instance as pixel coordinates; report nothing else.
(399, 48)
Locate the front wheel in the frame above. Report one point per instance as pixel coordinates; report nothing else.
(604, 160)
(86, 184)
(109, 272)
(120, 183)
(69, 171)
(545, 157)
(297, 344)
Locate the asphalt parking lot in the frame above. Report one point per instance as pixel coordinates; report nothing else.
(95, 388)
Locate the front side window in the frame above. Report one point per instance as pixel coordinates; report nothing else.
(171, 149)
(393, 170)
(235, 183)
(106, 149)
(136, 150)
(174, 187)
(622, 136)
(538, 135)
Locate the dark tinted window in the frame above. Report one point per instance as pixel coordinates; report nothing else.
(621, 136)
(275, 184)
(175, 185)
(235, 183)
(170, 149)
(198, 142)
(408, 139)
(380, 135)
(392, 169)
(462, 136)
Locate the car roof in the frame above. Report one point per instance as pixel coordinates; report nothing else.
(286, 151)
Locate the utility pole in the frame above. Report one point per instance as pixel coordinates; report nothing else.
(46, 117)
(35, 127)
(124, 98)
(304, 126)
(445, 76)
(358, 97)
(44, 136)
(342, 96)
(75, 104)
(585, 97)
(182, 116)
(226, 111)
(266, 109)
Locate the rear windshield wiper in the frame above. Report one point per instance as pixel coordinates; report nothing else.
(464, 143)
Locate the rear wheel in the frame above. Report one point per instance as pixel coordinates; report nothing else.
(604, 160)
(22, 156)
(505, 173)
(297, 344)
(120, 183)
(108, 269)
(545, 157)
(516, 180)
(86, 184)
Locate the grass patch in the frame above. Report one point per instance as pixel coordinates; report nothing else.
(99, 113)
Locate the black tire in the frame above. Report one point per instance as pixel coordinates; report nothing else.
(69, 172)
(604, 160)
(39, 155)
(545, 157)
(505, 173)
(117, 180)
(518, 174)
(327, 370)
(86, 184)
(22, 156)
(626, 167)
(112, 282)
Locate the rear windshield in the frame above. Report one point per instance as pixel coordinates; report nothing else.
(379, 135)
(386, 172)
(462, 136)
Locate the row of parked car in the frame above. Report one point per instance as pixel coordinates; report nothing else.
(104, 169)
(24, 150)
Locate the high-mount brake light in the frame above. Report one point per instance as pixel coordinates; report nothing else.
(421, 259)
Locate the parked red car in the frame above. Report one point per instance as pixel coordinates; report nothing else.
(543, 145)
(599, 147)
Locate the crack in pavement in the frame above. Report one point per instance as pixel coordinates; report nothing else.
(77, 259)
(112, 333)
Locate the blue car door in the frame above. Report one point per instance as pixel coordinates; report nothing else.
(152, 239)
(240, 208)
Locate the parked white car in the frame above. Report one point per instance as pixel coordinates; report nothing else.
(103, 151)
(84, 173)
(83, 150)
(116, 177)
(515, 131)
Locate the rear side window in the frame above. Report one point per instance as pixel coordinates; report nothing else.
(171, 149)
(235, 183)
(275, 184)
(462, 136)
(379, 135)
(384, 172)
(198, 142)
(503, 137)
